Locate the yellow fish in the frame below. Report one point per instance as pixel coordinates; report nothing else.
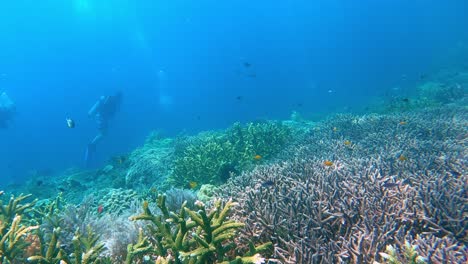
(402, 123)
(328, 163)
(347, 143)
(257, 157)
(192, 185)
(402, 158)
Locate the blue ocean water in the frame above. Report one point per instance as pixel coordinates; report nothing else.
(187, 66)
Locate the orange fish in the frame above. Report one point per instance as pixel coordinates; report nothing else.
(402, 158)
(347, 143)
(100, 209)
(257, 157)
(328, 163)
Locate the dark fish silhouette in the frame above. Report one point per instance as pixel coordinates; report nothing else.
(247, 64)
(268, 183)
(390, 184)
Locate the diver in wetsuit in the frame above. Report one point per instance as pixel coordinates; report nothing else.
(7, 110)
(102, 111)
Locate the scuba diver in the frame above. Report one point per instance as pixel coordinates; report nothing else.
(7, 110)
(102, 111)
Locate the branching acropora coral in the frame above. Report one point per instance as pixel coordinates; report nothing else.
(211, 158)
(86, 250)
(12, 231)
(195, 236)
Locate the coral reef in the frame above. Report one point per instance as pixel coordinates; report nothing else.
(14, 230)
(212, 158)
(207, 192)
(436, 94)
(388, 188)
(409, 252)
(369, 197)
(206, 237)
(176, 197)
(117, 200)
(86, 250)
(150, 163)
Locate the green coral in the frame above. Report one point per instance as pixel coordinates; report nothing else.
(203, 162)
(12, 243)
(86, 250)
(410, 255)
(262, 138)
(12, 228)
(52, 253)
(192, 237)
(211, 158)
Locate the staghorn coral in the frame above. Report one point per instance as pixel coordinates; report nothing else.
(212, 158)
(13, 229)
(202, 162)
(86, 250)
(52, 253)
(368, 198)
(115, 231)
(425, 249)
(12, 240)
(202, 238)
(410, 255)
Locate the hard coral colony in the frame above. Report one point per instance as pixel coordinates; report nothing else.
(368, 192)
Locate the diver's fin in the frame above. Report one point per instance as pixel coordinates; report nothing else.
(89, 154)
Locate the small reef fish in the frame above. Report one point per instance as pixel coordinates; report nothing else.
(257, 157)
(390, 184)
(347, 143)
(402, 123)
(120, 159)
(100, 209)
(192, 185)
(328, 163)
(402, 158)
(247, 64)
(335, 129)
(70, 123)
(268, 183)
